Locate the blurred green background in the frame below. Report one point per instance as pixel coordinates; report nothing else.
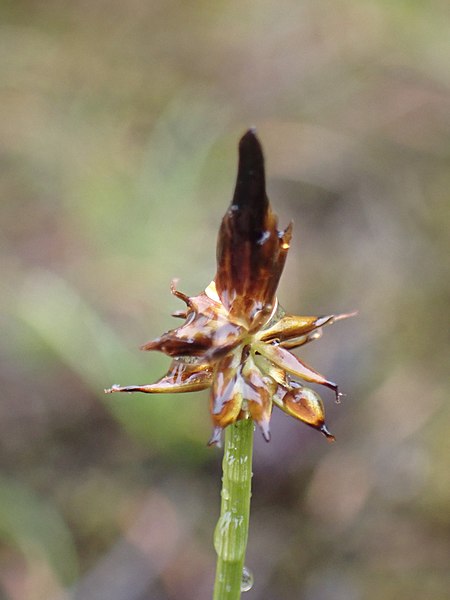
(118, 144)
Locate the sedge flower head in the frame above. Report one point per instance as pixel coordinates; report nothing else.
(236, 339)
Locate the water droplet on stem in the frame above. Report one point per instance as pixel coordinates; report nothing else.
(247, 580)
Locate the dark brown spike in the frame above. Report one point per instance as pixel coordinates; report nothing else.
(250, 192)
(251, 250)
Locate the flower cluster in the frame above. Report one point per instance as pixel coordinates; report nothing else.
(236, 338)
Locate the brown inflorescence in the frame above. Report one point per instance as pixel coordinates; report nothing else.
(236, 339)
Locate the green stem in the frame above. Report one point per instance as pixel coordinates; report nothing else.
(230, 536)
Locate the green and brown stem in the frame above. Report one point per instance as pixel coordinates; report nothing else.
(231, 533)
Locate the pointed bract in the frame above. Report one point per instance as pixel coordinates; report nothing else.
(258, 391)
(293, 365)
(307, 406)
(182, 377)
(226, 391)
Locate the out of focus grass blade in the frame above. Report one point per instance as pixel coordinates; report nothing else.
(84, 342)
(37, 531)
(74, 331)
